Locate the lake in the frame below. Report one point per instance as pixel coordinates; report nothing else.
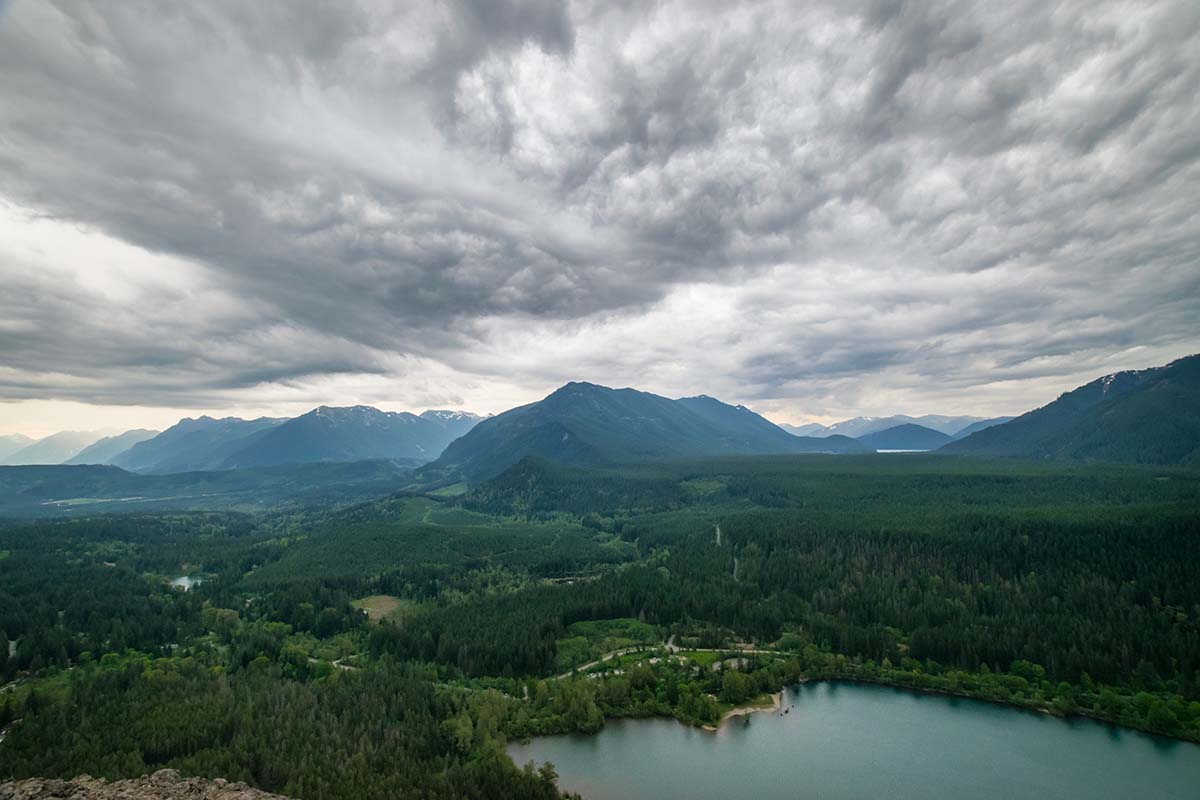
(847, 741)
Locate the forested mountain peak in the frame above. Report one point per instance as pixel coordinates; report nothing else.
(908, 436)
(326, 433)
(1147, 416)
(202, 443)
(352, 433)
(586, 424)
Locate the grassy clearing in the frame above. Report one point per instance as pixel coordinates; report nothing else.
(703, 487)
(704, 659)
(454, 490)
(380, 606)
(457, 516)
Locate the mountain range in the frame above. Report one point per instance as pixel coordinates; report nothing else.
(54, 449)
(1146, 416)
(1149, 416)
(194, 444)
(108, 448)
(353, 434)
(981, 425)
(11, 443)
(325, 434)
(863, 426)
(583, 424)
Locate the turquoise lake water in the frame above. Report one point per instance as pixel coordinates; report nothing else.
(849, 741)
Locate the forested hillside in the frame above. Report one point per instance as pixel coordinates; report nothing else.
(393, 647)
(80, 490)
(351, 434)
(193, 445)
(1150, 416)
(582, 424)
(108, 448)
(905, 437)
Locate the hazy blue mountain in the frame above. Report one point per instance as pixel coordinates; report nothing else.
(861, 426)
(905, 437)
(741, 427)
(982, 424)
(807, 429)
(194, 444)
(105, 450)
(1147, 416)
(455, 423)
(584, 424)
(87, 489)
(53, 449)
(11, 443)
(353, 434)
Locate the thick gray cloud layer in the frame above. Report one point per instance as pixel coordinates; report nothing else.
(815, 208)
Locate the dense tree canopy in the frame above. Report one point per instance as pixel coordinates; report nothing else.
(392, 648)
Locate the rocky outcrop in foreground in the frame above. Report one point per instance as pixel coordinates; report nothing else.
(162, 785)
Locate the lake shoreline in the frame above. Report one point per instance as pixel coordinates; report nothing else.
(745, 711)
(935, 749)
(926, 690)
(1035, 709)
(1045, 709)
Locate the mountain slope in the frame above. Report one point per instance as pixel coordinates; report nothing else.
(53, 449)
(741, 427)
(11, 443)
(905, 437)
(861, 426)
(1149, 416)
(109, 447)
(455, 423)
(807, 429)
(583, 424)
(981, 425)
(194, 444)
(353, 434)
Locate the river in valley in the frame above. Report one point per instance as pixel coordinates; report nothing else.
(842, 741)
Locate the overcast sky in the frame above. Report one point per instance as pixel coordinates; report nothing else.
(818, 210)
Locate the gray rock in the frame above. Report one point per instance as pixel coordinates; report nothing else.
(166, 784)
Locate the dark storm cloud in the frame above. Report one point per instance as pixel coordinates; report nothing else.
(944, 192)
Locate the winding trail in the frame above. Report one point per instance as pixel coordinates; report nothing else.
(602, 659)
(671, 648)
